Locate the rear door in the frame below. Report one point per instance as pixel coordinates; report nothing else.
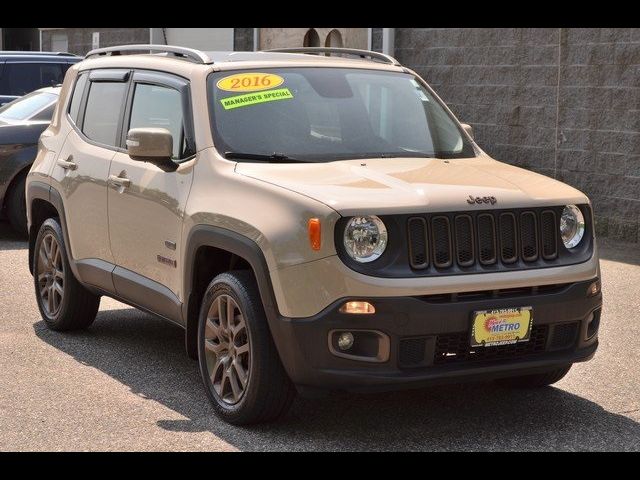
(82, 168)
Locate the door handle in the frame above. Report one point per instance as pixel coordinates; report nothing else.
(120, 181)
(68, 164)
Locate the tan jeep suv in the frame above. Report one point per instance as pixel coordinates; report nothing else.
(315, 219)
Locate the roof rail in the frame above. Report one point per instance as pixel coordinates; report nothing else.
(31, 52)
(345, 51)
(180, 52)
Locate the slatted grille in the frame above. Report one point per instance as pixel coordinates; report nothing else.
(488, 238)
(529, 236)
(549, 229)
(418, 244)
(441, 235)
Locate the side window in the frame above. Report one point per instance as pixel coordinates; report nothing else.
(160, 107)
(27, 77)
(46, 114)
(76, 99)
(102, 113)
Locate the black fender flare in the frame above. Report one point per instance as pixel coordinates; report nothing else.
(232, 242)
(42, 191)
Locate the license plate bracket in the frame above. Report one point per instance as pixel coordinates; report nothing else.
(502, 326)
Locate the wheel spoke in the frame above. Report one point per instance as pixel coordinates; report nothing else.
(211, 330)
(216, 348)
(231, 308)
(43, 257)
(235, 386)
(240, 372)
(41, 277)
(58, 288)
(222, 313)
(242, 349)
(50, 299)
(58, 274)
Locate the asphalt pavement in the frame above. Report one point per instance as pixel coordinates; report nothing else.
(126, 384)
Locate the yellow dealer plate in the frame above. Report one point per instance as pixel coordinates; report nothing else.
(501, 327)
(249, 82)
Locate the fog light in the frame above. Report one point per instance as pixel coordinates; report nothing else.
(357, 308)
(593, 289)
(345, 341)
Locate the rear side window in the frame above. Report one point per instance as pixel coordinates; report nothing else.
(159, 107)
(22, 78)
(74, 106)
(102, 113)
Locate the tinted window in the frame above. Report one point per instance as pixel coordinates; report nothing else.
(24, 108)
(46, 114)
(102, 113)
(159, 107)
(23, 78)
(324, 114)
(74, 106)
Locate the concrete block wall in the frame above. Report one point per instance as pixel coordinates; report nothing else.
(562, 102)
(80, 38)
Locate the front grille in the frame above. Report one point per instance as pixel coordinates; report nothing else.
(441, 237)
(412, 351)
(455, 348)
(564, 336)
(482, 240)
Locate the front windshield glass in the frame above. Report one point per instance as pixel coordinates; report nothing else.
(24, 108)
(325, 114)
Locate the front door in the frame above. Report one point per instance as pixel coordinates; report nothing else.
(146, 204)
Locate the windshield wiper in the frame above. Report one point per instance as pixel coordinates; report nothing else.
(273, 158)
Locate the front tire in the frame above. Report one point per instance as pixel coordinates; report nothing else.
(537, 380)
(239, 363)
(63, 302)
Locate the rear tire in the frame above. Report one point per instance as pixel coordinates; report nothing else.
(240, 366)
(63, 302)
(537, 380)
(17, 205)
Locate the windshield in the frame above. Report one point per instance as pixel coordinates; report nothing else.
(324, 114)
(24, 108)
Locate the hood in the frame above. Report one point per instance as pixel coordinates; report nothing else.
(21, 132)
(411, 185)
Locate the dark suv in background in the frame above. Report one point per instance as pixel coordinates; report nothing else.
(24, 72)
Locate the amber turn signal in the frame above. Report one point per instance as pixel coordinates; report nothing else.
(357, 308)
(314, 233)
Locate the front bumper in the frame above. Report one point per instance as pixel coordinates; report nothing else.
(429, 339)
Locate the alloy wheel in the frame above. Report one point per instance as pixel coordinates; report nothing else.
(50, 275)
(227, 349)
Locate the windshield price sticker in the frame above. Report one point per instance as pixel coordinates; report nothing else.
(247, 99)
(249, 82)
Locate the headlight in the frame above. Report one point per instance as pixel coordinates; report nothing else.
(571, 226)
(365, 238)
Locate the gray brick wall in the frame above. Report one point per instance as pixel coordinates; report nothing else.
(562, 102)
(243, 39)
(80, 38)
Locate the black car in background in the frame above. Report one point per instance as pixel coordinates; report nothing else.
(21, 123)
(24, 72)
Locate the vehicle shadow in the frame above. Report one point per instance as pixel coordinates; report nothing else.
(147, 355)
(9, 239)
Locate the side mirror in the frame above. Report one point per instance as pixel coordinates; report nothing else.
(153, 145)
(467, 128)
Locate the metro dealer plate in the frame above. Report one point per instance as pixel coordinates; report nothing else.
(501, 327)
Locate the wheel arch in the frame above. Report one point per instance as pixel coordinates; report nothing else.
(44, 201)
(243, 253)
